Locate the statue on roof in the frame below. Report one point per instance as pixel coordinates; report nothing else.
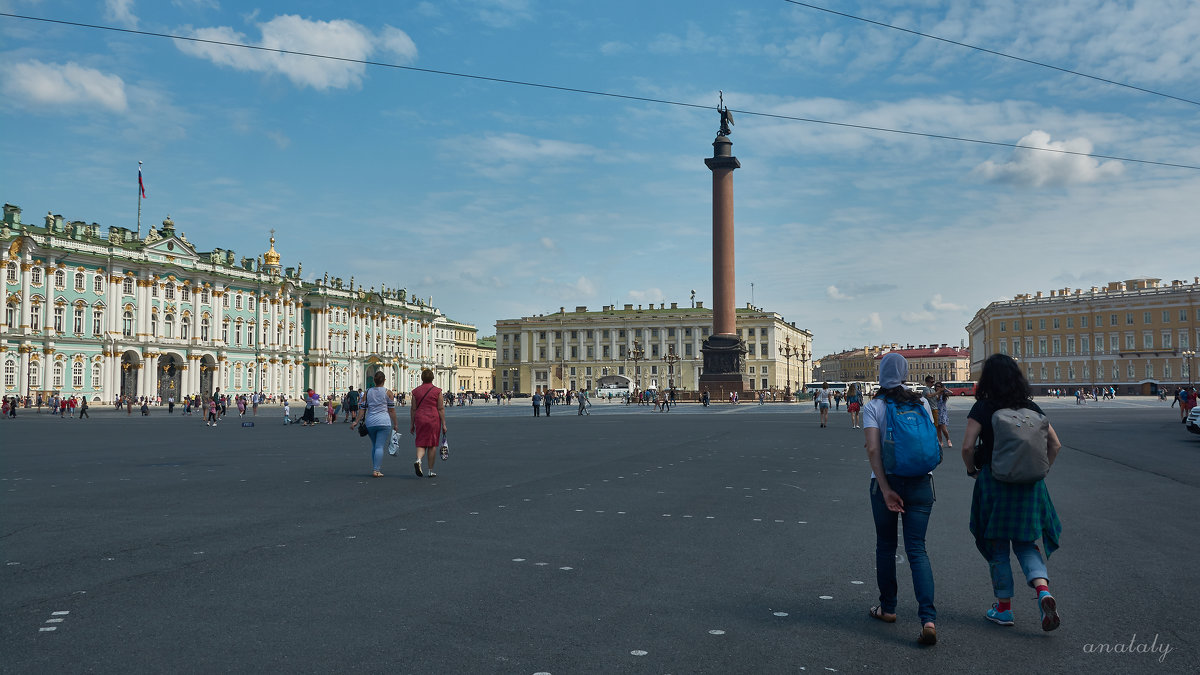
(726, 116)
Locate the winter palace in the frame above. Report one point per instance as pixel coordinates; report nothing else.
(108, 314)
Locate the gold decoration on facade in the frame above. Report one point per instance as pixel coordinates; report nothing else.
(271, 257)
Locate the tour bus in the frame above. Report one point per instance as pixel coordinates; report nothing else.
(960, 388)
(814, 387)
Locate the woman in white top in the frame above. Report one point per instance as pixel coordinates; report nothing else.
(895, 498)
(379, 417)
(823, 397)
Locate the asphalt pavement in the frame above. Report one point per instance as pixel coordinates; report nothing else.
(732, 539)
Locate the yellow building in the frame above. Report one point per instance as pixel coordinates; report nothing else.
(474, 359)
(652, 347)
(944, 362)
(1137, 335)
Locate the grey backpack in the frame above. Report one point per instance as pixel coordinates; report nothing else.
(1019, 452)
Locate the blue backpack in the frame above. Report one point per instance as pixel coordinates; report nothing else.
(911, 447)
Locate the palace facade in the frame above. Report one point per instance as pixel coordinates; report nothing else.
(654, 347)
(105, 314)
(942, 361)
(1137, 335)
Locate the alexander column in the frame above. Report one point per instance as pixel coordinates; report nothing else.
(724, 352)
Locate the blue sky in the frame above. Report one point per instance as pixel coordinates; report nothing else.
(501, 201)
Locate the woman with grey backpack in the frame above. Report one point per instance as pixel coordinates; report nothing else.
(1008, 449)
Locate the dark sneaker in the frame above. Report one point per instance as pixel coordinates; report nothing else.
(417, 468)
(1049, 611)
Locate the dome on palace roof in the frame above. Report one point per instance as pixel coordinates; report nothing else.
(271, 257)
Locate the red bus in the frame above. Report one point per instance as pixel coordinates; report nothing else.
(960, 388)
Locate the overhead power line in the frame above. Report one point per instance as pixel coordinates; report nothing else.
(591, 92)
(993, 52)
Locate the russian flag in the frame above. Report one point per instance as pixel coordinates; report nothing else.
(141, 186)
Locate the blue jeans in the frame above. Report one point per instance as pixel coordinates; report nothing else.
(1027, 554)
(379, 440)
(918, 497)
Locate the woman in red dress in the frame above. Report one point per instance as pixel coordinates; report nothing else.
(428, 418)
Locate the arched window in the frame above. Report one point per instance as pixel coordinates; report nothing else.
(98, 283)
(77, 375)
(204, 296)
(169, 291)
(250, 303)
(59, 315)
(56, 376)
(77, 321)
(12, 272)
(185, 328)
(97, 321)
(127, 286)
(60, 279)
(237, 301)
(80, 281)
(127, 324)
(35, 375)
(204, 329)
(169, 326)
(10, 374)
(237, 333)
(96, 379)
(184, 294)
(35, 276)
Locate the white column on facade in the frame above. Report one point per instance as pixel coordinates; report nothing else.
(297, 317)
(26, 273)
(45, 310)
(23, 373)
(142, 308)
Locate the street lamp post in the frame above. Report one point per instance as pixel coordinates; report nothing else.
(1189, 354)
(788, 352)
(671, 358)
(637, 355)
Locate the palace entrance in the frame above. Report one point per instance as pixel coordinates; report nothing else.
(170, 376)
(208, 367)
(130, 362)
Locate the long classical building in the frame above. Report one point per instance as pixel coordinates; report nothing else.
(1136, 335)
(104, 314)
(652, 347)
(944, 362)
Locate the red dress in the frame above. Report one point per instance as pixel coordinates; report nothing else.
(428, 425)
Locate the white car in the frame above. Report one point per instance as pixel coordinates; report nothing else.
(1193, 420)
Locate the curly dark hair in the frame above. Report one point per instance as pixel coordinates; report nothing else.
(1002, 382)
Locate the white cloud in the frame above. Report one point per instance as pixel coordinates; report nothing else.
(936, 304)
(547, 243)
(502, 156)
(67, 84)
(121, 12)
(911, 318)
(500, 13)
(280, 139)
(340, 38)
(615, 47)
(872, 322)
(1038, 168)
(647, 295)
(834, 293)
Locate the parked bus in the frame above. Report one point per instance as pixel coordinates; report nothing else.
(960, 388)
(814, 387)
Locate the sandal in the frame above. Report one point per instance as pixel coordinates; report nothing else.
(377, 474)
(432, 474)
(928, 636)
(878, 613)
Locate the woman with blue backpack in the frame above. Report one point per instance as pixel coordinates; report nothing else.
(1011, 507)
(903, 449)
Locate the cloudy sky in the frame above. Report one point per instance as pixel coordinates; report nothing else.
(501, 200)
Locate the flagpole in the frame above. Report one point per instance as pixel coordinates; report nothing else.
(139, 219)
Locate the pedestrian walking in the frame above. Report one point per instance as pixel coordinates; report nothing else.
(854, 406)
(583, 403)
(83, 408)
(427, 421)
(823, 396)
(212, 413)
(1009, 515)
(379, 418)
(537, 404)
(942, 396)
(894, 418)
(287, 412)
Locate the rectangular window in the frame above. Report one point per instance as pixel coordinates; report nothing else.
(1129, 344)
(1042, 346)
(1183, 315)
(1028, 346)
(1070, 345)
(542, 353)
(1083, 321)
(574, 352)
(1099, 320)
(1041, 324)
(604, 351)
(1145, 317)
(687, 349)
(1148, 340)
(97, 321)
(1056, 324)
(1183, 340)
(1070, 322)
(1028, 324)
(1084, 346)
(1166, 340)
(591, 352)
(1003, 327)
(78, 320)
(1057, 345)
(750, 347)
(1128, 318)
(1166, 316)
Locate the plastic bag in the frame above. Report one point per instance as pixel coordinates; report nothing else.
(445, 448)
(394, 444)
